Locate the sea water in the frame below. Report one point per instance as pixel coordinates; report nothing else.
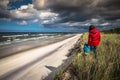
(9, 38)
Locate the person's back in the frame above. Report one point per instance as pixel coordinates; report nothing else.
(93, 39)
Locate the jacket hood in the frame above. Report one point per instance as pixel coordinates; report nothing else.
(94, 30)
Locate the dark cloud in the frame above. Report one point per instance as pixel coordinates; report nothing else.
(4, 13)
(81, 10)
(110, 4)
(73, 10)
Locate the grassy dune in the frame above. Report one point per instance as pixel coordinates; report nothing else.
(105, 67)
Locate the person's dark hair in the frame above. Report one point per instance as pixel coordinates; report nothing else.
(91, 27)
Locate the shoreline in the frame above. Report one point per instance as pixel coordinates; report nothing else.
(28, 45)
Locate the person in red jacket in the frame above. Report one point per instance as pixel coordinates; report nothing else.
(93, 39)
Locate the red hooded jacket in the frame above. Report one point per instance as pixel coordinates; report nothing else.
(94, 37)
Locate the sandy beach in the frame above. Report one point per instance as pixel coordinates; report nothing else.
(37, 63)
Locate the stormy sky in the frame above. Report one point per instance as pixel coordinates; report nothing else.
(58, 15)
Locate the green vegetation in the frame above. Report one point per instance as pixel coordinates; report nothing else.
(107, 64)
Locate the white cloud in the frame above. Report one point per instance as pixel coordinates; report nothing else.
(24, 12)
(22, 23)
(36, 20)
(49, 20)
(74, 24)
(19, 14)
(28, 13)
(68, 24)
(48, 17)
(47, 14)
(24, 7)
(105, 24)
(94, 20)
(46, 22)
(87, 24)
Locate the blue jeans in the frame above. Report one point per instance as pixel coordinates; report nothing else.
(93, 49)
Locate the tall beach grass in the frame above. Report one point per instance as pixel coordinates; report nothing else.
(105, 67)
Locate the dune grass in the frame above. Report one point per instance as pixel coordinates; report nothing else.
(105, 67)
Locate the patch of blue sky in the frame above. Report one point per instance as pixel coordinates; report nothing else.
(17, 4)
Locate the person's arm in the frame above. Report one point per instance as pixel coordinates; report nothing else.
(89, 40)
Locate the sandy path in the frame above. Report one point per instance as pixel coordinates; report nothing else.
(36, 64)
